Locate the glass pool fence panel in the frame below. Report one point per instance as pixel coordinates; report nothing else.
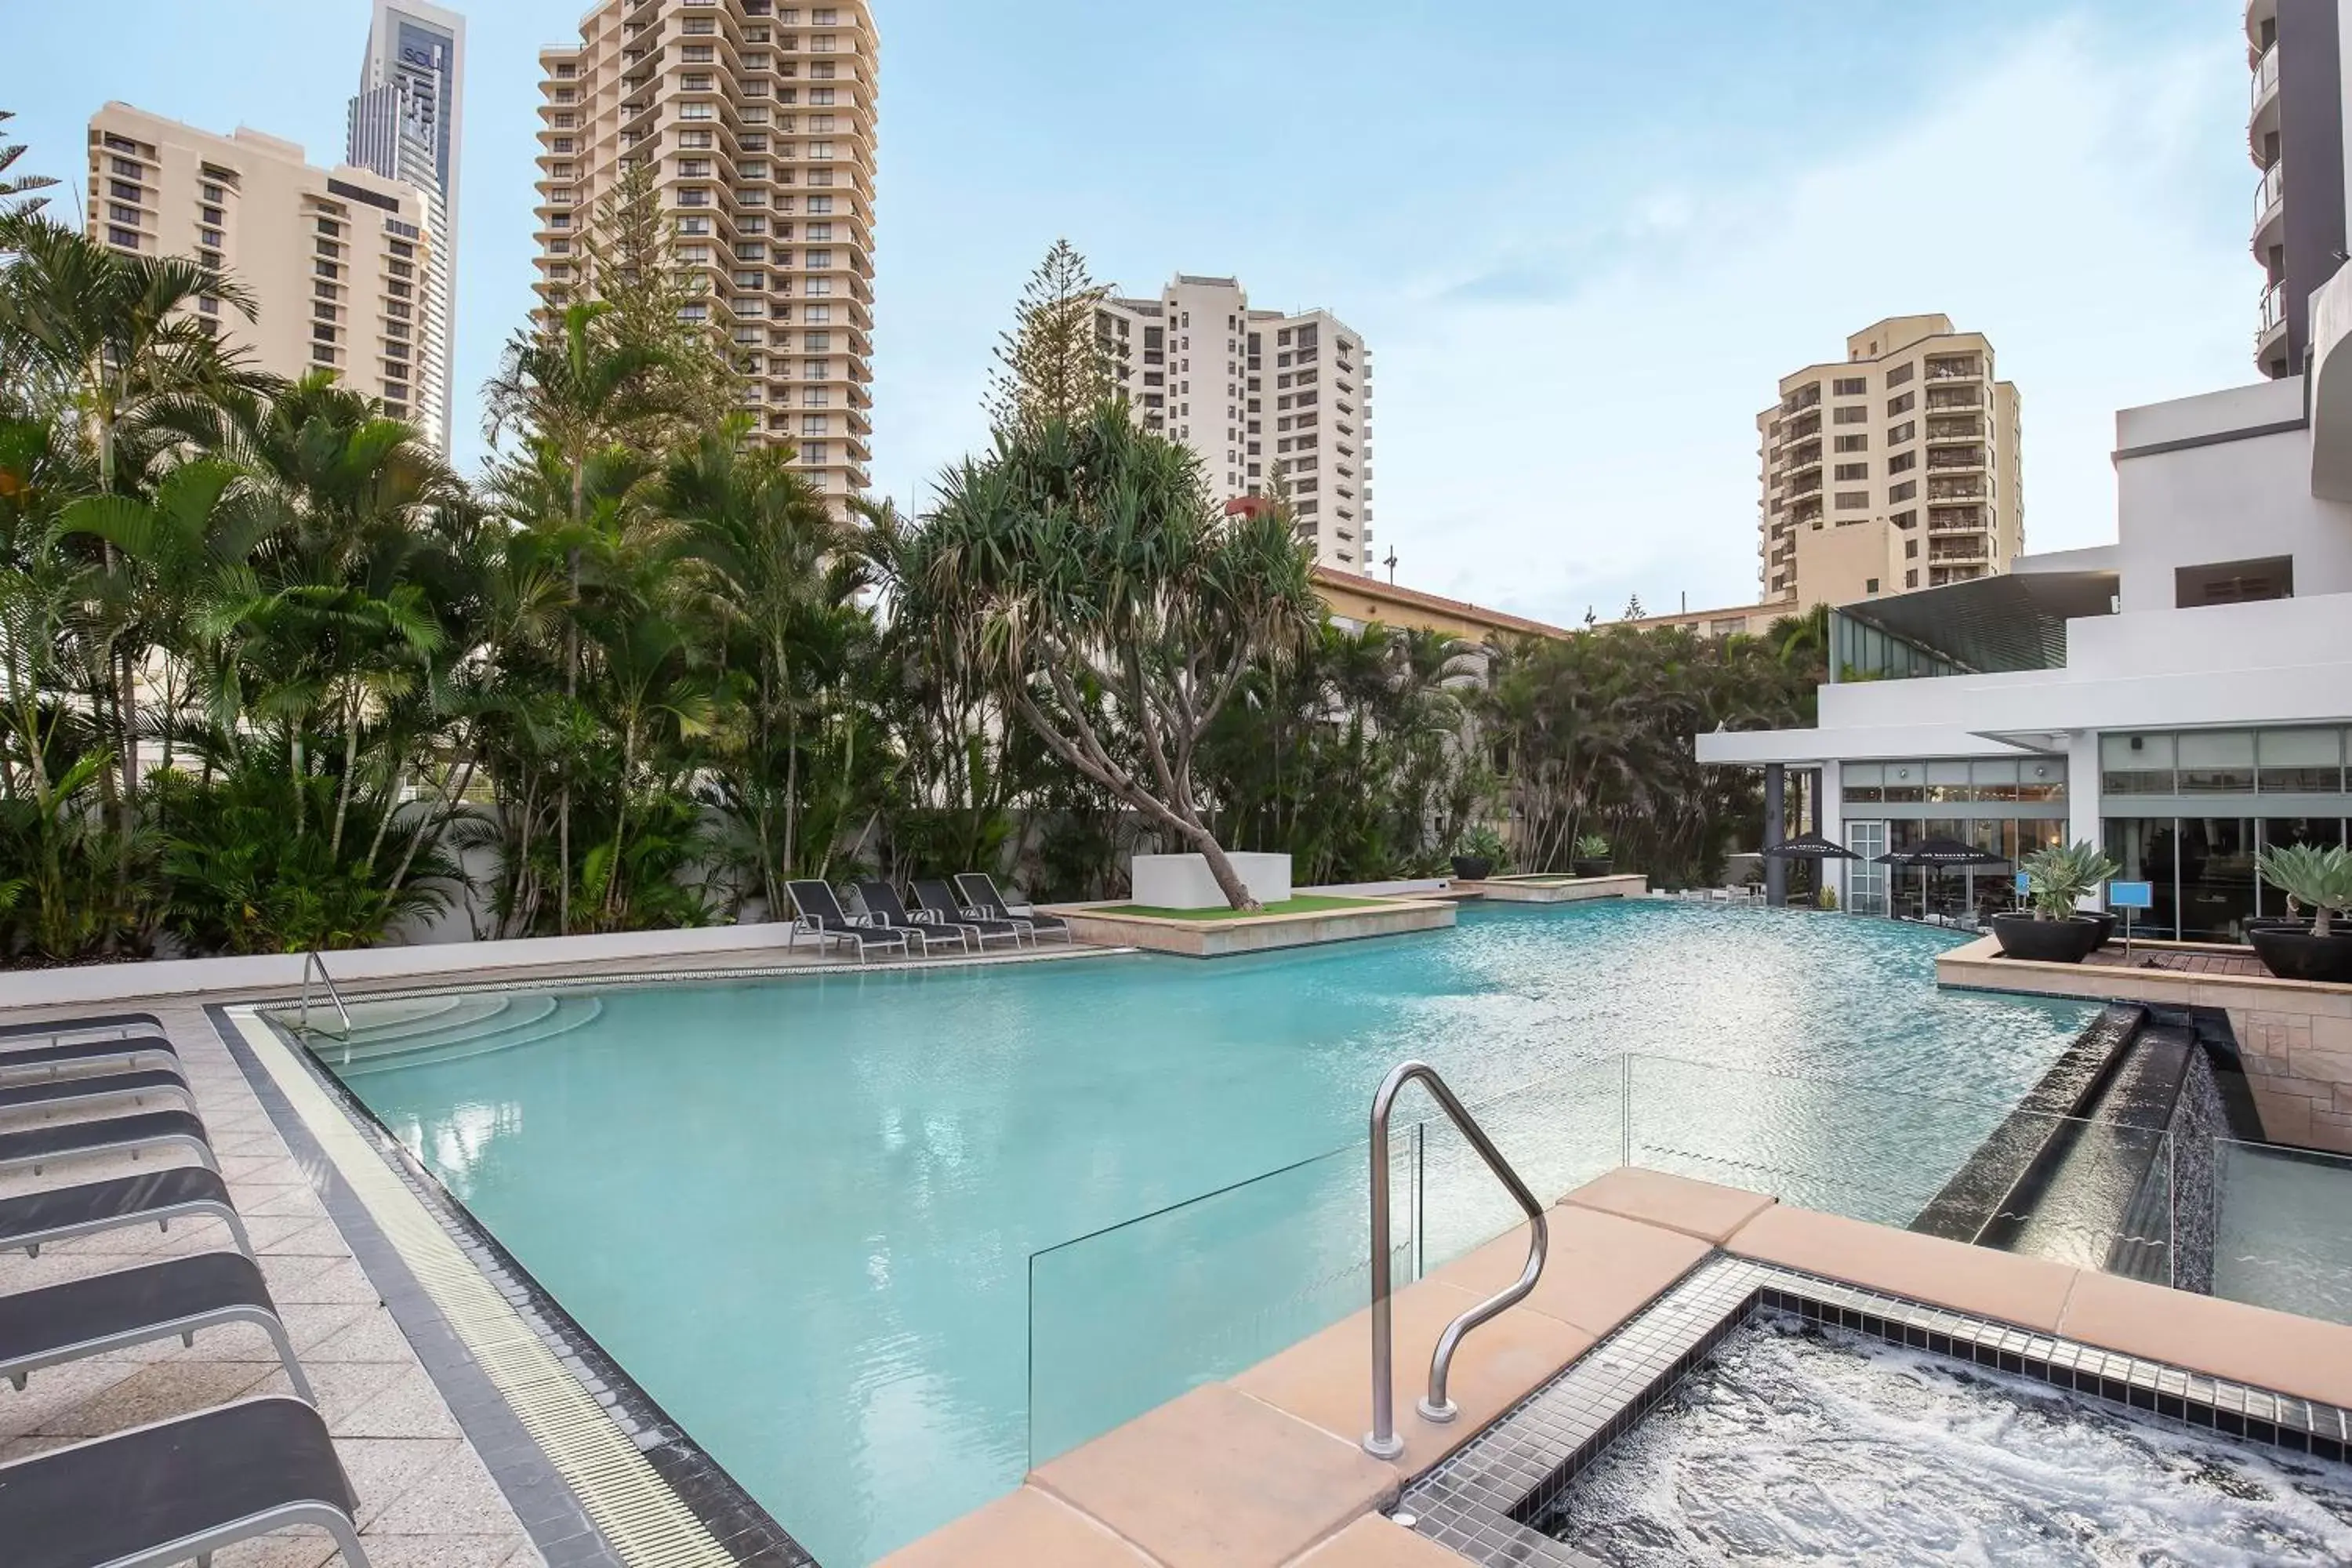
(1126, 1318)
(2283, 1228)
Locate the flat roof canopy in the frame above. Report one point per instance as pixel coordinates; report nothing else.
(2014, 621)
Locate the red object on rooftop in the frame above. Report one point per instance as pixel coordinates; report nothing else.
(1248, 506)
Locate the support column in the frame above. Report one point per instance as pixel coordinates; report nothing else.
(1829, 821)
(2082, 798)
(1776, 870)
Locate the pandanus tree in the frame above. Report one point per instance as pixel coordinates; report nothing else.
(1083, 572)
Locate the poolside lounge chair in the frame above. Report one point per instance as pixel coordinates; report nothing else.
(82, 1318)
(93, 1024)
(37, 1147)
(68, 1093)
(131, 1050)
(936, 905)
(822, 916)
(884, 907)
(183, 1191)
(978, 890)
(179, 1489)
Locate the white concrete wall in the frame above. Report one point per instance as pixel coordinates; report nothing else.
(2235, 500)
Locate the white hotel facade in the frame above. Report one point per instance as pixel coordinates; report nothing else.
(2183, 695)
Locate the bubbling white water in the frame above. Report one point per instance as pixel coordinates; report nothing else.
(1799, 1444)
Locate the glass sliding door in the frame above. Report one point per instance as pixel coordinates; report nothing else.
(2145, 849)
(2217, 877)
(1865, 881)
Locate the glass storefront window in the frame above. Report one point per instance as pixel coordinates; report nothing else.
(2301, 762)
(2145, 849)
(1993, 780)
(2135, 764)
(2216, 762)
(1906, 782)
(2217, 877)
(2042, 780)
(1948, 782)
(1863, 783)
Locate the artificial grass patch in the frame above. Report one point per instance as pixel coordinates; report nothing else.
(1311, 904)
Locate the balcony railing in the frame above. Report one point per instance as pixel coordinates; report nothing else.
(2266, 78)
(2268, 191)
(1940, 397)
(1956, 457)
(2274, 307)
(1969, 369)
(1970, 488)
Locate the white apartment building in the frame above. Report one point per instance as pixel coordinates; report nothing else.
(1257, 395)
(1894, 469)
(2299, 53)
(757, 119)
(336, 259)
(406, 123)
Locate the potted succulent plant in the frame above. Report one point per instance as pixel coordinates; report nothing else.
(2319, 879)
(1593, 856)
(2052, 931)
(1481, 851)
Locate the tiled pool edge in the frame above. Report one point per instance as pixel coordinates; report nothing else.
(1482, 1502)
(599, 1474)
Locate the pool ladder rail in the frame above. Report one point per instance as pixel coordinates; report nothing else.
(312, 963)
(1382, 1442)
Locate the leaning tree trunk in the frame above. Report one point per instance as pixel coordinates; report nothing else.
(1220, 867)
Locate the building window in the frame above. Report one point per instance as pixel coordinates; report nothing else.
(1854, 415)
(1849, 471)
(1899, 405)
(1870, 585)
(127, 238)
(1852, 443)
(1904, 491)
(1899, 374)
(1853, 500)
(1902, 433)
(1902, 462)
(1850, 386)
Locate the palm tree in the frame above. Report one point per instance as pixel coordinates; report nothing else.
(20, 186)
(118, 339)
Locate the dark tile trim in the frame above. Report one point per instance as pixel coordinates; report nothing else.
(1484, 1500)
(550, 1510)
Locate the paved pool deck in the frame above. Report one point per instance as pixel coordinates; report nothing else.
(426, 1497)
(1266, 1471)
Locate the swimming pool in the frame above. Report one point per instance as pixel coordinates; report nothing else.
(801, 1212)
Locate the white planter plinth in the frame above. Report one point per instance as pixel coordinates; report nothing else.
(1183, 881)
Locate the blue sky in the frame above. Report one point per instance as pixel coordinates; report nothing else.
(1583, 240)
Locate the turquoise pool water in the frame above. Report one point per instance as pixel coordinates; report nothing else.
(801, 1212)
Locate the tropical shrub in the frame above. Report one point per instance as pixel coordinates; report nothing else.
(2318, 878)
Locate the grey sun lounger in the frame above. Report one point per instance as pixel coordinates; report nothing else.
(70, 1093)
(179, 1489)
(92, 1023)
(131, 1050)
(822, 916)
(183, 1191)
(38, 1146)
(884, 907)
(939, 906)
(61, 1323)
(978, 890)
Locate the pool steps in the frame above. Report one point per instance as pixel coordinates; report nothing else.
(404, 1033)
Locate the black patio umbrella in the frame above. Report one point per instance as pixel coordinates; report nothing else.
(1810, 846)
(1939, 854)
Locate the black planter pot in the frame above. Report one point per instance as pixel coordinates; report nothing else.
(2296, 954)
(2107, 928)
(1473, 867)
(2047, 941)
(1592, 868)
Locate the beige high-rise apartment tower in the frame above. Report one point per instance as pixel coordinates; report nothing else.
(758, 120)
(336, 260)
(1257, 395)
(1894, 469)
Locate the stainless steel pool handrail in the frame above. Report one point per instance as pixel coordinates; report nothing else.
(311, 961)
(1382, 1442)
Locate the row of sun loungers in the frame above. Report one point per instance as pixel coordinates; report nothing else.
(176, 1489)
(970, 915)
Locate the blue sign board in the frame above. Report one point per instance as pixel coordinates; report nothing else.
(2024, 884)
(2131, 895)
